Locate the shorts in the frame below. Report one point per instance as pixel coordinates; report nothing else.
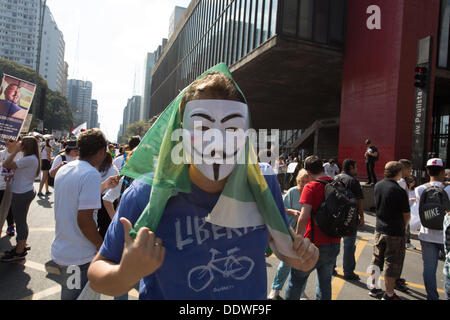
(45, 165)
(389, 250)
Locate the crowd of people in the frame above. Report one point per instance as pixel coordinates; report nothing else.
(205, 221)
(397, 197)
(82, 168)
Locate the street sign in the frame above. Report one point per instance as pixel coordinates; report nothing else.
(421, 106)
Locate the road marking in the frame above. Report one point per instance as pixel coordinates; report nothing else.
(338, 283)
(44, 294)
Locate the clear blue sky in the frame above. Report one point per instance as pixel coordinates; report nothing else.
(106, 43)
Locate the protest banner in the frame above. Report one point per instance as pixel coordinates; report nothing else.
(16, 96)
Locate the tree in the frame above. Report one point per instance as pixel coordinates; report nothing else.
(58, 115)
(137, 129)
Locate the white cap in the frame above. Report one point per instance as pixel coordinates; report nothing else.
(435, 162)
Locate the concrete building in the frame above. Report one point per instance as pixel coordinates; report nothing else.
(131, 114)
(19, 33)
(52, 54)
(79, 95)
(175, 18)
(145, 107)
(321, 71)
(94, 115)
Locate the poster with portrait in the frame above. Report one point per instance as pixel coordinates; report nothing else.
(16, 96)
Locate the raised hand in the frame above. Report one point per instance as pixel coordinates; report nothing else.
(141, 256)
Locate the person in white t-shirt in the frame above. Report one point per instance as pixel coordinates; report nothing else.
(120, 161)
(25, 171)
(46, 159)
(70, 154)
(6, 176)
(78, 188)
(432, 241)
(331, 169)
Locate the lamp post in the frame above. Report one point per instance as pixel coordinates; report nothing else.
(38, 103)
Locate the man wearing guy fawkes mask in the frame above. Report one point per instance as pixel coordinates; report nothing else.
(190, 256)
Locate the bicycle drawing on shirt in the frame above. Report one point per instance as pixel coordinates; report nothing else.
(238, 268)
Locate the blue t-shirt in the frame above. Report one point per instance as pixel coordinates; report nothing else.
(202, 261)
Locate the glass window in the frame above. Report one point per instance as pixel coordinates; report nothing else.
(231, 36)
(337, 22)
(226, 35)
(240, 29)
(321, 14)
(273, 19)
(266, 20)
(251, 26)
(443, 50)
(306, 19)
(258, 22)
(246, 28)
(289, 26)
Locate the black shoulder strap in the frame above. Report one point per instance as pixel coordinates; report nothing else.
(323, 181)
(63, 157)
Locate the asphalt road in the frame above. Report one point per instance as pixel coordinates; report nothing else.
(31, 280)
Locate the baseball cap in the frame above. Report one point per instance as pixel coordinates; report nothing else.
(71, 145)
(435, 162)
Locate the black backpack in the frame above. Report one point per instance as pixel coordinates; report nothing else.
(433, 205)
(51, 181)
(337, 216)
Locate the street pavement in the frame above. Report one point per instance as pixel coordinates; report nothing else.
(31, 280)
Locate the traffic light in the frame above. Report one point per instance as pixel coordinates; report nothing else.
(421, 77)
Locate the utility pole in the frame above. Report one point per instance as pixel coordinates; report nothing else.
(38, 104)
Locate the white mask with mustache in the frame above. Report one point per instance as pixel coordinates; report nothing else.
(206, 121)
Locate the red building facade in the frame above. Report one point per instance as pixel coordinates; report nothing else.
(378, 78)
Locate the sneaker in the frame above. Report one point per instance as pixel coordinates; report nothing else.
(394, 297)
(48, 193)
(274, 295)
(410, 246)
(304, 296)
(40, 194)
(12, 256)
(352, 277)
(375, 293)
(400, 285)
(11, 231)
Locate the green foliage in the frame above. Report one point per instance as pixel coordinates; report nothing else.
(58, 115)
(137, 129)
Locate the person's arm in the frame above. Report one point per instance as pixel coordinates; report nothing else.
(9, 162)
(110, 183)
(49, 153)
(361, 212)
(109, 206)
(86, 223)
(140, 258)
(57, 164)
(406, 219)
(305, 215)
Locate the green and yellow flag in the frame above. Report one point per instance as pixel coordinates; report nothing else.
(245, 201)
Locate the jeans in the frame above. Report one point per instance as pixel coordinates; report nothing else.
(370, 166)
(324, 267)
(71, 286)
(430, 257)
(348, 260)
(281, 276)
